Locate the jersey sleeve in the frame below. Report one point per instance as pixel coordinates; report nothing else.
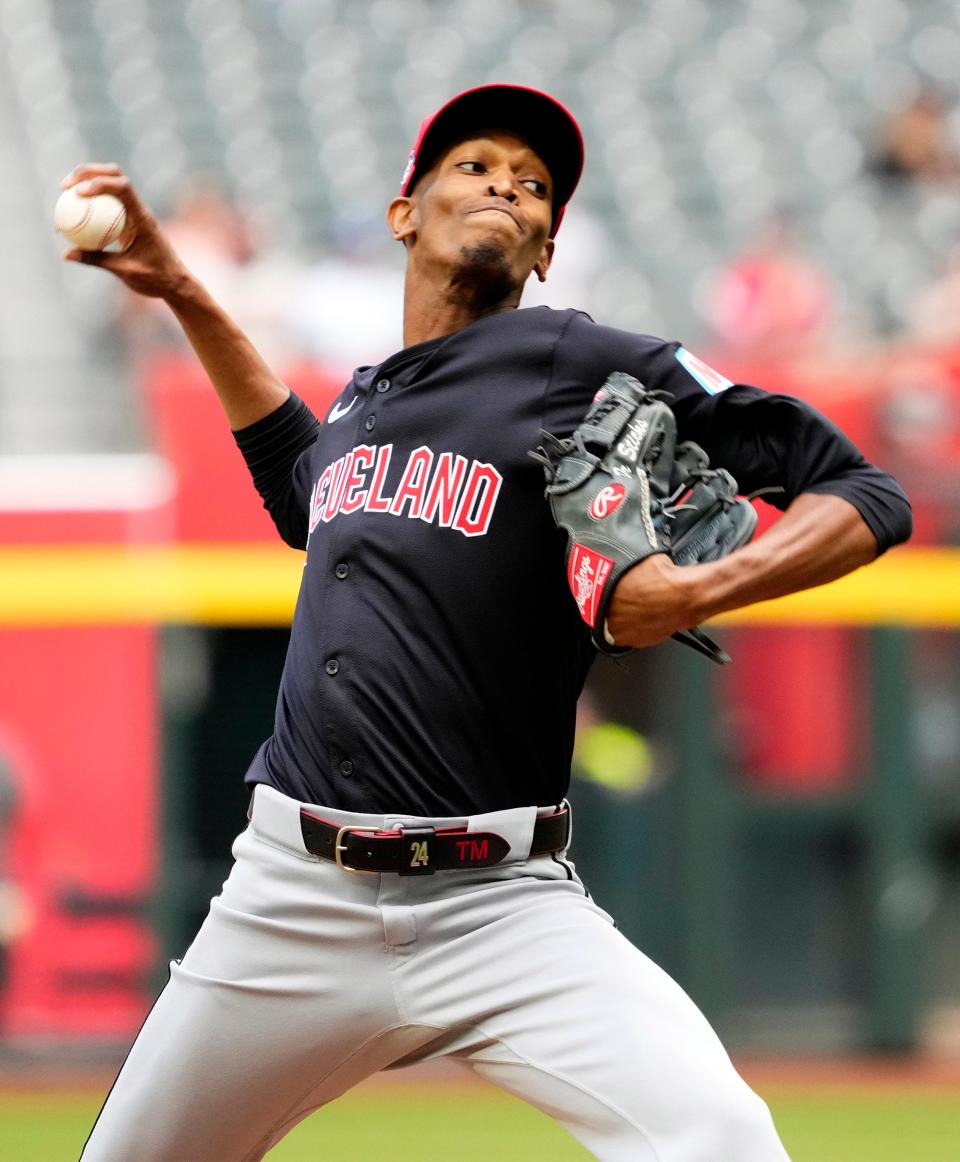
(774, 445)
(275, 450)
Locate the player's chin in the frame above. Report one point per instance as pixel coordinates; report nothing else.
(488, 268)
(497, 244)
(486, 252)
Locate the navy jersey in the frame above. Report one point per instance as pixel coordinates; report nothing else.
(436, 654)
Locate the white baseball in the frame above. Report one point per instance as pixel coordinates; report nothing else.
(89, 223)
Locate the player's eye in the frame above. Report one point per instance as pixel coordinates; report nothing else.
(472, 166)
(535, 186)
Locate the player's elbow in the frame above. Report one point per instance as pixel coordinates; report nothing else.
(290, 524)
(890, 517)
(295, 538)
(881, 502)
(903, 530)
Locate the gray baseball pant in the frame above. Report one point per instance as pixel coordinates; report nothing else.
(305, 979)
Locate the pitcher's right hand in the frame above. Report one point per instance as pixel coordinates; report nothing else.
(146, 262)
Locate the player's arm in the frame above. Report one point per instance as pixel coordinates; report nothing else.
(149, 265)
(839, 510)
(818, 539)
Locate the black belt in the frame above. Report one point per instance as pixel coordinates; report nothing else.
(420, 851)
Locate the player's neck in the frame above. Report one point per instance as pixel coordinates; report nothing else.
(432, 310)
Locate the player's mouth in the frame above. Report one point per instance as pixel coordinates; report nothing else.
(500, 207)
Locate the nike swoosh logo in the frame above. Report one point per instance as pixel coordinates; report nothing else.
(337, 412)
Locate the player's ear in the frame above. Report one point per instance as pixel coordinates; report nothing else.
(543, 263)
(402, 219)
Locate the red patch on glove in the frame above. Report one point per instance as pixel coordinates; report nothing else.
(587, 574)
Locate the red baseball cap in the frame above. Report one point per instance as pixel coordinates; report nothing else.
(538, 118)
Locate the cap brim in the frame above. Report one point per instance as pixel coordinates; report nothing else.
(547, 126)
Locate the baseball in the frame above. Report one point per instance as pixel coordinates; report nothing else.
(89, 223)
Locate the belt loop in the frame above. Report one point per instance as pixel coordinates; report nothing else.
(565, 805)
(276, 817)
(516, 827)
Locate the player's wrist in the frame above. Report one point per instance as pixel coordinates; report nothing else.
(653, 599)
(186, 294)
(716, 591)
(695, 593)
(694, 590)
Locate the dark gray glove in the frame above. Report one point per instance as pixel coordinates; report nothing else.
(621, 490)
(607, 486)
(708, 519)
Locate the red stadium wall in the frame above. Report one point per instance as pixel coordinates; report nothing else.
(79, 745)
(78, 729)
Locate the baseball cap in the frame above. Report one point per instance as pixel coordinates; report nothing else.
(537, 117)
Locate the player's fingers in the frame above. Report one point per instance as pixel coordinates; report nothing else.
(119, 185)
(112, 260)
(86, 257)
(116, 184)
(89, 170)
(130, 270)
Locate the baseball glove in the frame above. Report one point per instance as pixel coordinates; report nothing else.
(621, 490)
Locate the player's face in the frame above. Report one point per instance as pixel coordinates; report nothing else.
(490, 194)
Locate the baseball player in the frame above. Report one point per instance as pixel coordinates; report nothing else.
(402, 891)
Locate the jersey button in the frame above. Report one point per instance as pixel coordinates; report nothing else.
(346, 767)
(370, 423)
(383, 385)
(341, 571)
(332, 667)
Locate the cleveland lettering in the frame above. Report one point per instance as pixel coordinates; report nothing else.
(439, 488)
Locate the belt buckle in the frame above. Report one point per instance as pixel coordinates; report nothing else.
(339, 848)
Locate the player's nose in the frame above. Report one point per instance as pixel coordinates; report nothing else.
(503, 184)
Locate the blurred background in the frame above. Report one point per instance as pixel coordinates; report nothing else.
(775, 183)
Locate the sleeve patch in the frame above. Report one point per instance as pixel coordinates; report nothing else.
(711, 381)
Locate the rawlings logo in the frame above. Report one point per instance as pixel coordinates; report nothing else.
(607, 501)
(587, 574)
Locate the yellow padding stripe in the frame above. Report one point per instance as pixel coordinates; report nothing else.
(257, 585)
(916, 587)
(106, 584)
